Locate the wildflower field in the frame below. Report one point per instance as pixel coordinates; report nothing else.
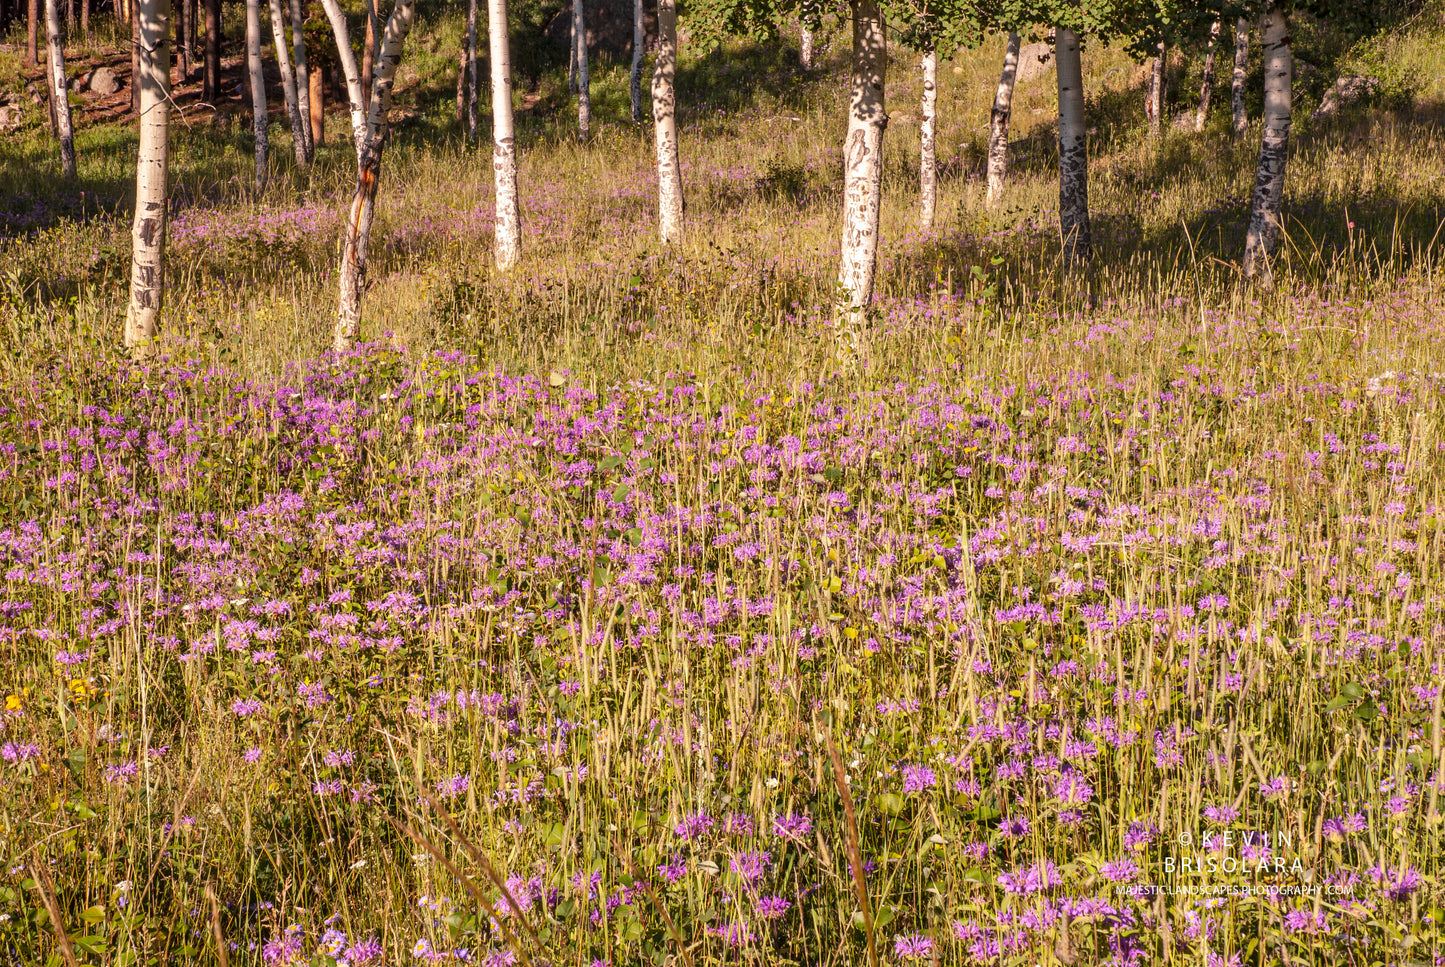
(607, 613)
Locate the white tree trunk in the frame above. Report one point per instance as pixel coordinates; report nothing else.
(148, 230)
(1206, 89)
(664, 121)
(368, 178)
(999, 119)
(863, 160)
(473, 107)
(928, 153)
(1073, 151)
(348, 70)
(805, 52)
(258, 88)
(1264, 213)
(288, 84)
(584, 80)
(1154, 103)
(1241, 67)
(303, 79)
(572, 57)
(59, 102)
(507, 227)
(639, 39)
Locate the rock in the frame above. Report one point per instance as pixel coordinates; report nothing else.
(103, 82)
(1345, 91)
(10, 117)
(1034, 61)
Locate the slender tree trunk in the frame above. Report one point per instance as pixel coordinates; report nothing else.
(584, 80)
(572, 57)
(507, 223)
(1073, 151)
(805, 49)
(148, 231)
(368, 177)
(1264, 213)
(461, 111)
(85, 20)
(368, 51)
(192, 10)
(1206, 89)
(211, 83)
(664, 125)
(348, 69)
(1154, 103)
(289, 90)
(474, 84)
(317, 85)
(59, 102)
(32, 35)
(1241, 69)
(928, 155)
(303, 79)
(183, 54)
(863, 160)
(639, 40)
(258, 89)
(999, 119)
(135, 61)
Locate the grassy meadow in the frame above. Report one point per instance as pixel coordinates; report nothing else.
(602, 612)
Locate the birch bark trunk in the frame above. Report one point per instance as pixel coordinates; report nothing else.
(258, 90)
(1154, 103)
(1241, 68)
(289, 90)
(473, 85)
(1206, 88)
(59, 102)
(1073, 152)
(303, 79)
(584, 81)
(1264, 214)
(999, 119)
(148, 229)
(928, 153)
(863, 163)
(368, 176)
(805, 51)
(507, 221)
(639, 38)
(347, 59)
(670, 203)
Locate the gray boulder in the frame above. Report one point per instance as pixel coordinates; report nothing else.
(1345, 91)
(103, 82)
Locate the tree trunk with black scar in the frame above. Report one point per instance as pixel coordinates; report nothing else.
(639, 39)
(584, 79)
(1206, 88)
(863, 163)
(1264, 213)
(148, 230)
(211, 81)
(258, 90)
(368, 177)
(664, 125)
(507, 227)
(1073, 152)
(289, 91)
(59, 101)
(928, 152)
(999, 119)
(303, 79)
(1154, 103)
(1241, 70)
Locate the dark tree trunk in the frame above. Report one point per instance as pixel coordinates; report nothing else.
(211, 87)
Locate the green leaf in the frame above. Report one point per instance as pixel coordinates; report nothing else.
(93, 914)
